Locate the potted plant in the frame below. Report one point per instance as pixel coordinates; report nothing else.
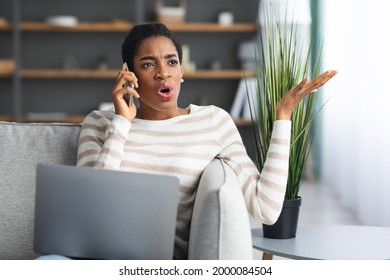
(282, 62)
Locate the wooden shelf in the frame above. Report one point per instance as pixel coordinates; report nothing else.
(126, 26)
(96, 26)
(243, 122)
(4, 118)
(5, 26)
(6, 74)
(64, 74)
(212, 27)
(94, 74)
(218, 74)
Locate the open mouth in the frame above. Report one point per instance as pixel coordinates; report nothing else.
(165, 91)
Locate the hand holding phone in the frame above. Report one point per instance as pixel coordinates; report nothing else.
(124, 92)
(129, 97)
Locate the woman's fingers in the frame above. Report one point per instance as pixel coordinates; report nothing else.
(295, 95)
(131, 91)
(125, 78)
(300, 87)
(320, 80)
(125, 85)
(306, 87)
(125, 94)
(122, 93)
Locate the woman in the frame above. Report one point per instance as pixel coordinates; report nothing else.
(159, 137)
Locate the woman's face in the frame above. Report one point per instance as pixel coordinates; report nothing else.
(159, 73)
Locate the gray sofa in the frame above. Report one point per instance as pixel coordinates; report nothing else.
(220, 227)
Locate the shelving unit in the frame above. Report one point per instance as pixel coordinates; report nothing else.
(125, 26)
(88, 27)
(41, 84)
(111, 74)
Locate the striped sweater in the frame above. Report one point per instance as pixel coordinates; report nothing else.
(183, 146)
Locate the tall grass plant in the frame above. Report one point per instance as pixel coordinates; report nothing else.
(283, 60)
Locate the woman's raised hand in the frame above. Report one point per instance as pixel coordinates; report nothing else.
(295, 95)
(122, 93)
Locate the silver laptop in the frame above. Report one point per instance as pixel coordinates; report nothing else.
(88, 213)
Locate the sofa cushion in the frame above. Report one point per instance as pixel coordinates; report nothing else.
(22, 146)
(220, 227)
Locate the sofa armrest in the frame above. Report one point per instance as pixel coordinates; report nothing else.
(22, 147)
(220, 227)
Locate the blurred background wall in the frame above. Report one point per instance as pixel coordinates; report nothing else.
(356, 130)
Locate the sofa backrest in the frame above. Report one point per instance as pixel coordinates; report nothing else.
(22, 147)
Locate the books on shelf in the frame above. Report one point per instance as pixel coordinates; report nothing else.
(241, 108)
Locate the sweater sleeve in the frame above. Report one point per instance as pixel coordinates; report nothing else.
(264, 193)
(102, 140)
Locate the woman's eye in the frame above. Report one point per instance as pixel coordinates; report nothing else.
(148, 64)
(173, 62)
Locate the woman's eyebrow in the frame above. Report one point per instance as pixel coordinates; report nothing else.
(147, 58)
(168, 56)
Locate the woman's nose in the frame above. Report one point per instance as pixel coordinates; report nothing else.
(163, 73)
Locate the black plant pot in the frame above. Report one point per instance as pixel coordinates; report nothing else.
(286, 225)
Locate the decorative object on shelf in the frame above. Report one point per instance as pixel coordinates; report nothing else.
(168, 14)
(216, 65)
(70, 63)
(240, 107)
(225, 18)
(103, 62)
(187, 64)
(241, 103)
(64, 21)
(246, 55)
(283, 61)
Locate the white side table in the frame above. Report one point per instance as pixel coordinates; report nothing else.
(330, 242)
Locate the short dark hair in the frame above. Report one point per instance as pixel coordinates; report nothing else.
(144, 31)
